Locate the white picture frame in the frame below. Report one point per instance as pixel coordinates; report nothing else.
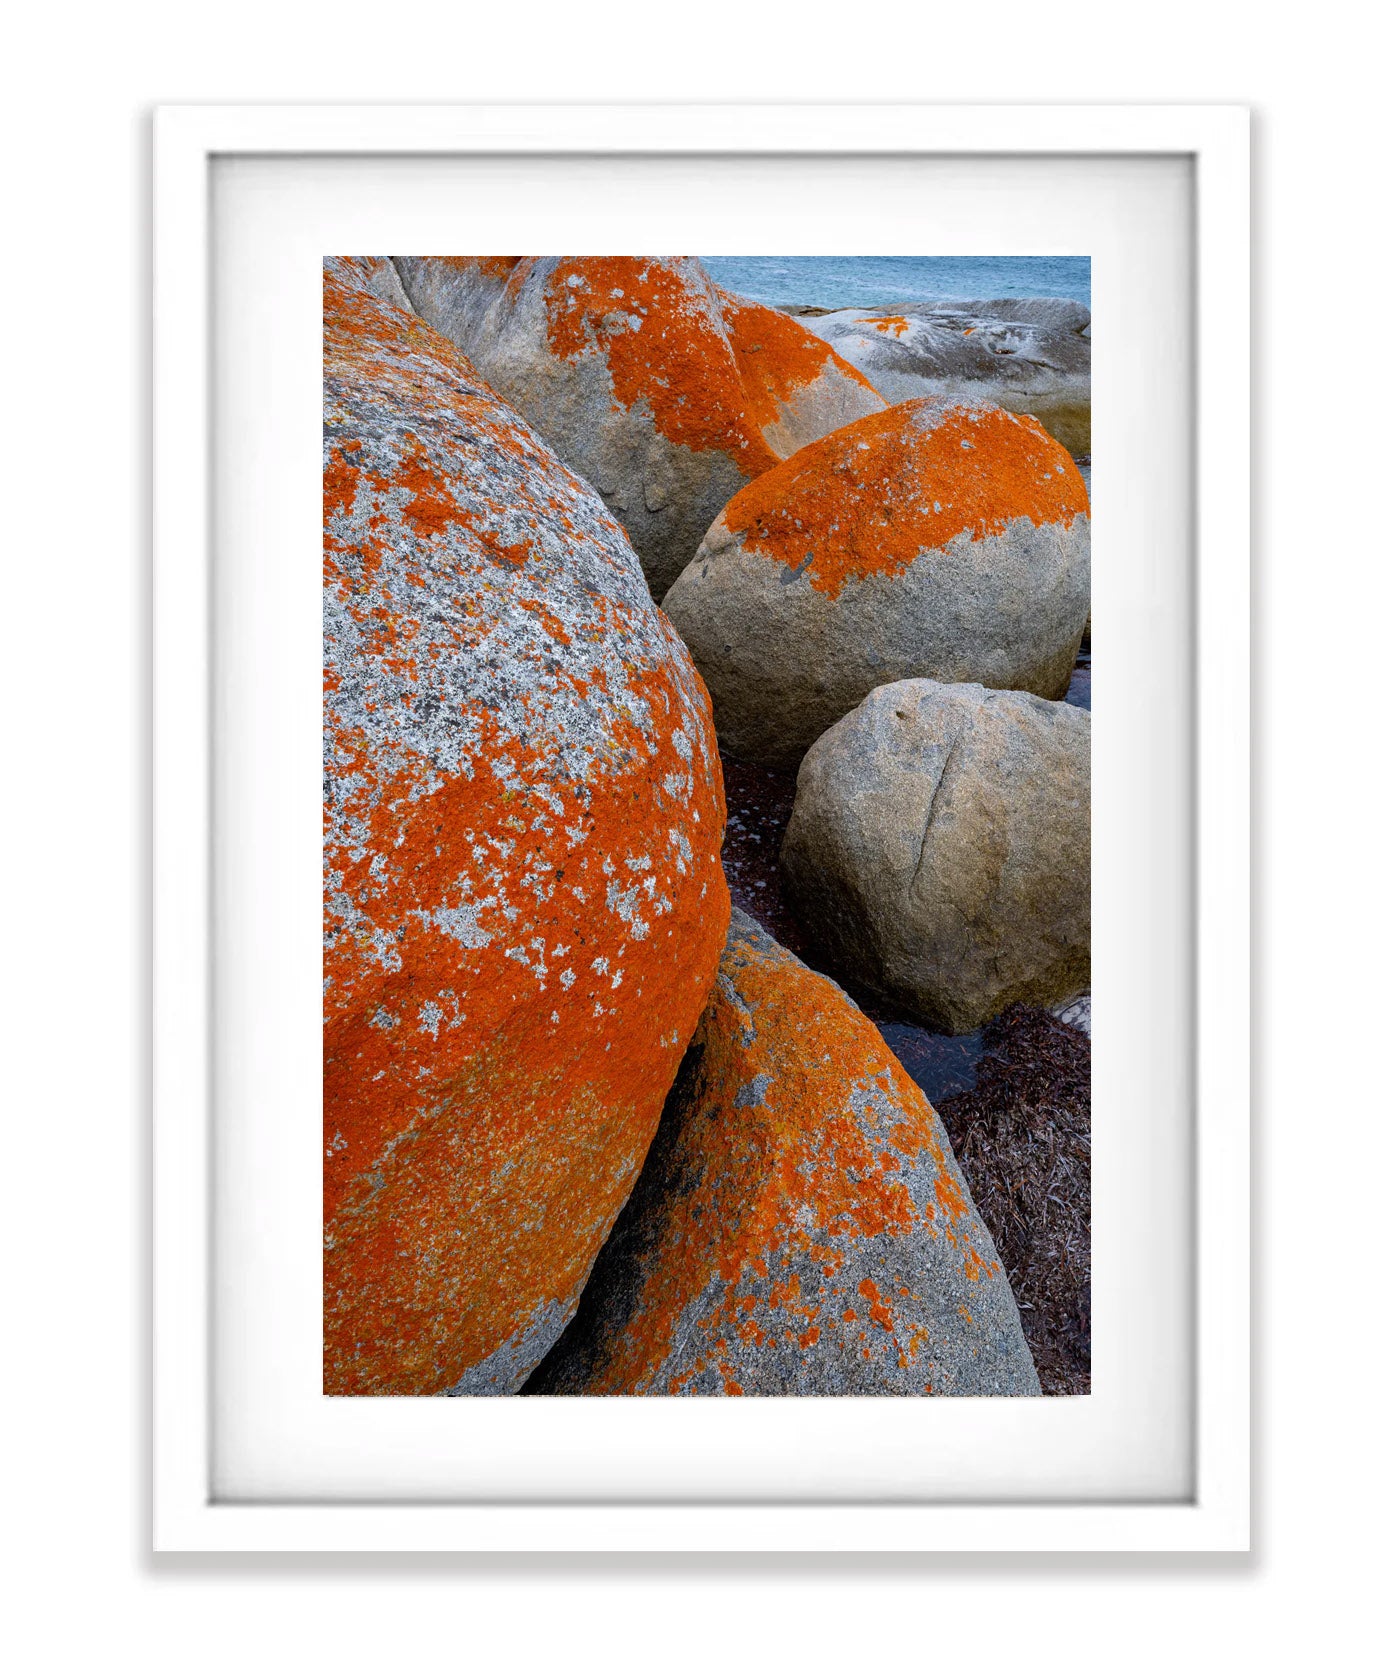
(188, 1514)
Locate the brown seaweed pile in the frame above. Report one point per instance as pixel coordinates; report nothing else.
(1022, 1138)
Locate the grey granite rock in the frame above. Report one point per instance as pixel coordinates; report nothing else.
(939, 850)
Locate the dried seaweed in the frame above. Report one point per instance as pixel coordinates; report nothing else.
(1021, 1136)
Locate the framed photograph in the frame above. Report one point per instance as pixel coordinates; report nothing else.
(627, 880)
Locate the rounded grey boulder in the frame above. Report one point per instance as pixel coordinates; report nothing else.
(921, 541)
(939, 850)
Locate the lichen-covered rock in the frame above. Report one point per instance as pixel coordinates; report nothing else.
(938, 850)
(800, 1227)
(455, 294)
(524, 907)
(377, 275)
(1029, 355)
(664, 392)
(922, 541)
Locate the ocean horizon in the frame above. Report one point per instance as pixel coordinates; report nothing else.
(878, 282)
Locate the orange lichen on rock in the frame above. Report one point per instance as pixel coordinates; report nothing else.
(928, 540)
(523, 901)
(499, 268)
(871, 498)
(777, 359)
(661, 390)
(715, 370)
(788, 1233)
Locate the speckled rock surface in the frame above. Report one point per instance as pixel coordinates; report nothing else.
(938, 850)
(800, 1227)
(664, 392)
(377, 275)
(922, 541)
(1029, 355)
(524, 907)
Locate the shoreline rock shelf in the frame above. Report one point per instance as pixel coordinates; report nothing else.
(801, 1225)
(1028, 355)
(924, 541)
(524, 902)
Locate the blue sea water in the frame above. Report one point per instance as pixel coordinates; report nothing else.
(855, 282)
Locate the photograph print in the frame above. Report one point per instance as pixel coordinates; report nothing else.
(707, 826)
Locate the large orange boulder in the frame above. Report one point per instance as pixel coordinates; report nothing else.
(801, 1225)
(665, 393)
(524, 907)
(923, 541)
